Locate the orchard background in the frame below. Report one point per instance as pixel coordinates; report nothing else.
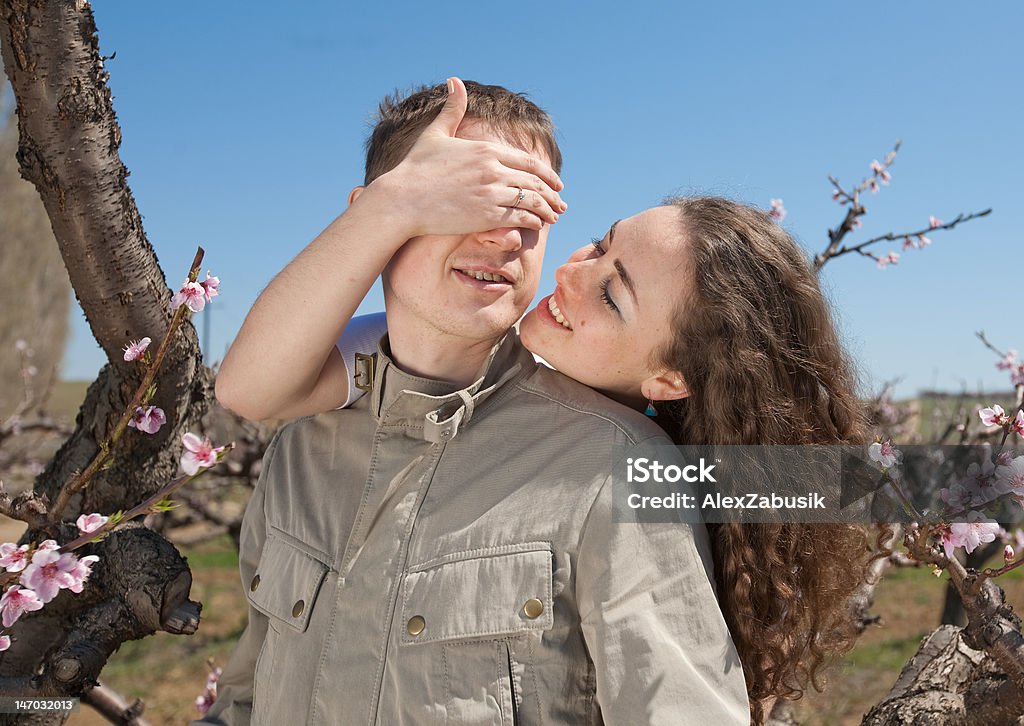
(243, 130)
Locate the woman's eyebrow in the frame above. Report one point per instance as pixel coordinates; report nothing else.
(626, 280)
(623, 275)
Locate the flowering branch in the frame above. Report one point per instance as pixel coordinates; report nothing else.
(142, 393)
(892, 237)
(145, 507)
(879, 176)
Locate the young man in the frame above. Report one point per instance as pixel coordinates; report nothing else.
(443, 551)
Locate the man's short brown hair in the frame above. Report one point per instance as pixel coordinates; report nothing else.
(400, 120)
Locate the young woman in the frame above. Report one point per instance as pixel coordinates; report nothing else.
(706, 313)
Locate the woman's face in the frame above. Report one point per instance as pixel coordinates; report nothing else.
(613, 305)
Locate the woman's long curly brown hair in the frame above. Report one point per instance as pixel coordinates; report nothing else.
(756, 345)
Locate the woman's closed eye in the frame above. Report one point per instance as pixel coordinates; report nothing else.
(597, 242)
(606, 297)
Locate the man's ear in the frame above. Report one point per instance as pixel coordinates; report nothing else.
(354, 194)
(665, 386)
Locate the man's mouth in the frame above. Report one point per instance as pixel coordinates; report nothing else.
(557, 314)
(484, 276)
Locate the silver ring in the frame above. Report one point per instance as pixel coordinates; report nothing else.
(520, 198)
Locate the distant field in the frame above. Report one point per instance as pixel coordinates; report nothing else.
(67, 397)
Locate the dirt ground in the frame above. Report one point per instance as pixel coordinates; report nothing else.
(168, 672)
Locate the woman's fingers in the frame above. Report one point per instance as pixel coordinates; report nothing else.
(523, 218)
(539, 196)
(520, 160)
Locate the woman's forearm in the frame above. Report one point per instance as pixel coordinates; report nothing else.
(284, 363)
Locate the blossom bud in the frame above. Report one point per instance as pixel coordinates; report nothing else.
(1008, 554)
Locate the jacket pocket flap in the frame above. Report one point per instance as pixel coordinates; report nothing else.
(286, 583)
(496, 591)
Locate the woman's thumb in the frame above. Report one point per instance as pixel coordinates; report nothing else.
(454, 109)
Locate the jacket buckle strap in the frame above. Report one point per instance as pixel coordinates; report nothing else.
(366, 368)
(436, 431)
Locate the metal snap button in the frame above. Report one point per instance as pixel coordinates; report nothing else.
(255, 583)
(297, 608)
(533, 608)
(416, 625)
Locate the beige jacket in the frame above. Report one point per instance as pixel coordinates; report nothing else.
(439, 557)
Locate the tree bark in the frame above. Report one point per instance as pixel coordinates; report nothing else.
(68, 148)
(948, 683)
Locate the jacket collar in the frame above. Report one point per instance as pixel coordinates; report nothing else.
(436, 410)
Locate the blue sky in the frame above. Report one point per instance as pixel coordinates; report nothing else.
(243, 127)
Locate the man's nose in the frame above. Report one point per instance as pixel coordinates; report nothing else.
(508, 239)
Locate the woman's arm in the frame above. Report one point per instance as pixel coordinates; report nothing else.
(284, 362)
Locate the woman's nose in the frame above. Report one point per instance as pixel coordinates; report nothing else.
(567, 275)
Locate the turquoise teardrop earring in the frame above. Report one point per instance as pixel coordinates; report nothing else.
(651, 411)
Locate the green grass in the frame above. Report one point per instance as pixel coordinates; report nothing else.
(222, 557)
(889, 656)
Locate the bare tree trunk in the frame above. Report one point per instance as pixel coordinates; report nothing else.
(68, 149)
(948, 683)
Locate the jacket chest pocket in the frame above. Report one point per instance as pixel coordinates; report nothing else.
(285, 589)
(471, 610)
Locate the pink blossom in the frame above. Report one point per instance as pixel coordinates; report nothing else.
(934, 222)
(837, 197)
(885, 453)
(89, 523)
(978, 529)
(984, 483)
(31, 371)
(1004, 458)
(83, 568)
(873, 186)
(135, 349)
(48, 544)
(1017, 425)
(1011, 476)
(20, 345)
(957, 497)
(192, 295)
(148, 419)
(857, 224)
(5, 642)
(13, 557)
(15, 601)
(1009, 360)
(908, 243)
(209, 696)
(891, 259)
(1008, 554)
(1017, 377)
(778, 212)
(922, 241)
(49, 572)
(994, 416)
(199, 454)
(210, 286)
(881, 173)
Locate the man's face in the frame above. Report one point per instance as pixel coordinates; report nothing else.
(431, 285)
